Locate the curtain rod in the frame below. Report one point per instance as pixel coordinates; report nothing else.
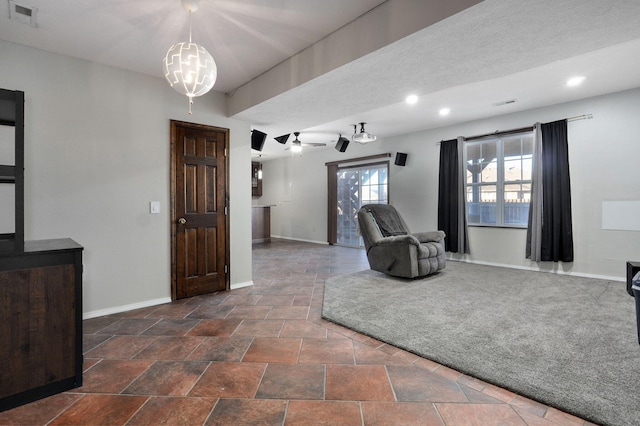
(498, 132)
(522, 129)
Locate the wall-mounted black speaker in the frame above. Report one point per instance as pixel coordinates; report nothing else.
(257, 139)
(342, 144)
(282, 139)
(401, 159)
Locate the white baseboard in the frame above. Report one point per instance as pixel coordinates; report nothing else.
(124, 308)
(241, 285)
(145, 304)
(530, 268)
(299, 239)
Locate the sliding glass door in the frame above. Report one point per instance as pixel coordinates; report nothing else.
(357, 186)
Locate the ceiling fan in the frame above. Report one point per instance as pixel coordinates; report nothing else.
(297, 144)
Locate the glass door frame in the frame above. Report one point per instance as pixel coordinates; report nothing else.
(347, 221)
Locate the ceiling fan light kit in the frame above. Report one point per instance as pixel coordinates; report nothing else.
(363, 137)
(296, 144)
(188, 67)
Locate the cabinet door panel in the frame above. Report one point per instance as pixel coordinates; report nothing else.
(37, 327)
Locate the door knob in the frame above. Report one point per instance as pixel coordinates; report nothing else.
(182, 221)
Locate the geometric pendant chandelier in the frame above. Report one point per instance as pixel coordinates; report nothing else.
(188, 67)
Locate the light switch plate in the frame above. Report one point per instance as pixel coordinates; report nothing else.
(154, 207)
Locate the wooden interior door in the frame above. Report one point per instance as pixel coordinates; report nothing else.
(199, 221)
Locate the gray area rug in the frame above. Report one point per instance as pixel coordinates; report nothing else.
(565, 341)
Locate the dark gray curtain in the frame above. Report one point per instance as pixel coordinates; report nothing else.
(452, 218)
(534, 227)
(557, 229)
(550, 238)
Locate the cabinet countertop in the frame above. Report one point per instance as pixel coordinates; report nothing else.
(39, 246)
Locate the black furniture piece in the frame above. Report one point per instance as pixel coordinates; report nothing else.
(12, 170)
(633, 288)
(40, 288)
(632, 269)
(40, 321)
(636, 291)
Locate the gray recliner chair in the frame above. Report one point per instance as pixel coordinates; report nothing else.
(393, 249)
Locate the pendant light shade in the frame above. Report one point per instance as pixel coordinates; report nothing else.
(363, 137)
(188, 67)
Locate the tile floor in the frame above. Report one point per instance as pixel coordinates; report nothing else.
(263, 355)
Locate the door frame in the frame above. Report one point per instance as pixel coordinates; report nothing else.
(332, 191)
(174, 124)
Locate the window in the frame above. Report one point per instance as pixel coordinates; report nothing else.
(498, 180)
(358, 186)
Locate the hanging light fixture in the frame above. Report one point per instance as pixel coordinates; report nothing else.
(296, 145)
(363, 137)
(188, 67)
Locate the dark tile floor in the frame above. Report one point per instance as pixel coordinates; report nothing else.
(263, 355)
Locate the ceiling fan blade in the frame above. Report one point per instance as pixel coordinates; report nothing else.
(313, 144)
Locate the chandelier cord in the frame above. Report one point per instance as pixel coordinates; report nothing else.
(189, 97)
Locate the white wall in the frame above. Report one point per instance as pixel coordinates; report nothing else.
(297, 187)
(96, 154)
(604, 157)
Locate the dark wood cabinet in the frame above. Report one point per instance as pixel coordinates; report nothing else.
(261, 224)
(40, 286)
(40, 321)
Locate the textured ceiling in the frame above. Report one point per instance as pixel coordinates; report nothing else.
(490, 52)
(246, 37)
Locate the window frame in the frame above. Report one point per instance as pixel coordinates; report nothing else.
(500, 183)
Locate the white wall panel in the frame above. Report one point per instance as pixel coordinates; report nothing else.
(621, 215)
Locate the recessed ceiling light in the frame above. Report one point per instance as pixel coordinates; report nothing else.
(444, 111)
(575, 81)
(412, 99)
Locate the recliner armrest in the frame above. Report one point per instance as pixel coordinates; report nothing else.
(398, 239)
(430, 236)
